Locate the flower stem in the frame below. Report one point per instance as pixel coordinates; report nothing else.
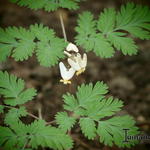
(62, 26)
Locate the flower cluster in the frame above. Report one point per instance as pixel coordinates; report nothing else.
(76, 62)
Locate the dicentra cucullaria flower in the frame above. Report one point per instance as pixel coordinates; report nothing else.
(76, 62)
(66, 74)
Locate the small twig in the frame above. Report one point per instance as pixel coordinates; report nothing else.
(17, 108)
(62, 26)
(40, 113)
(25, 144)
(51, 122)
(9, 106)
(33, 116)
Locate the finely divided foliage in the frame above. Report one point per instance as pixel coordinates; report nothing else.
(34, 134)
(18, 135)
(90, 105)
(48, 5)
(13, 91)
(89, 108)
(114, 30)
(21, 43)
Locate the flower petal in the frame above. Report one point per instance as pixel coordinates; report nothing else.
(84, 60)
(72, 47)
(74, 64)
(65, 73)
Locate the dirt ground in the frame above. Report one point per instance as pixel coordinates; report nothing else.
(128, 77)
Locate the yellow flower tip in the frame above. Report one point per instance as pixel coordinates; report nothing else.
(80, 71)
(83, 69)
(65, 81)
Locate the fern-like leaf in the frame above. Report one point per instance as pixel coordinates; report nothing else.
(35, 134)
(87, 94)
(47, 5)
(1, 109)
(86, 31)
(13, 115)
(47, 136)
(64, 121)
(102, 47)
(125, 44)
(21, 43)
(12, 89)
(132, 19)
(103, 24)
(111, 131)
(88, 127)
(113, 29)
(17, 40)
(104, 108)
(91, 106)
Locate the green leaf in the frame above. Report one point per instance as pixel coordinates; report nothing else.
(11, 139)
(86, 31)
(132, 18)
(103, 24)
(49, 53)
(70, 4)
(102, 47)
(47, 5)
(104, 108)
(113, 29)
(111, 131)
(25, 46)
(139, 32)
(5, 136)
(47, 136)
(70, 102)
(17, 40)
(1, 109)
(85, 96)
(5, 51)
(21, 43)
(64, 121)
(88, 127)
(35, 134)
(12, 89)
(125, 44)
(13, 115)
(42, 33)
(49, 48)
(93, 109)
(89, 93)
(124, 16)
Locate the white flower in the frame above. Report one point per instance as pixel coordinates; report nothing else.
(66, 74)
(78, 63)
(72, 47)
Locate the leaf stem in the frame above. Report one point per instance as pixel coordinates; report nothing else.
(62, 26)
(51, 122)
(33, 116)
(25, 144)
